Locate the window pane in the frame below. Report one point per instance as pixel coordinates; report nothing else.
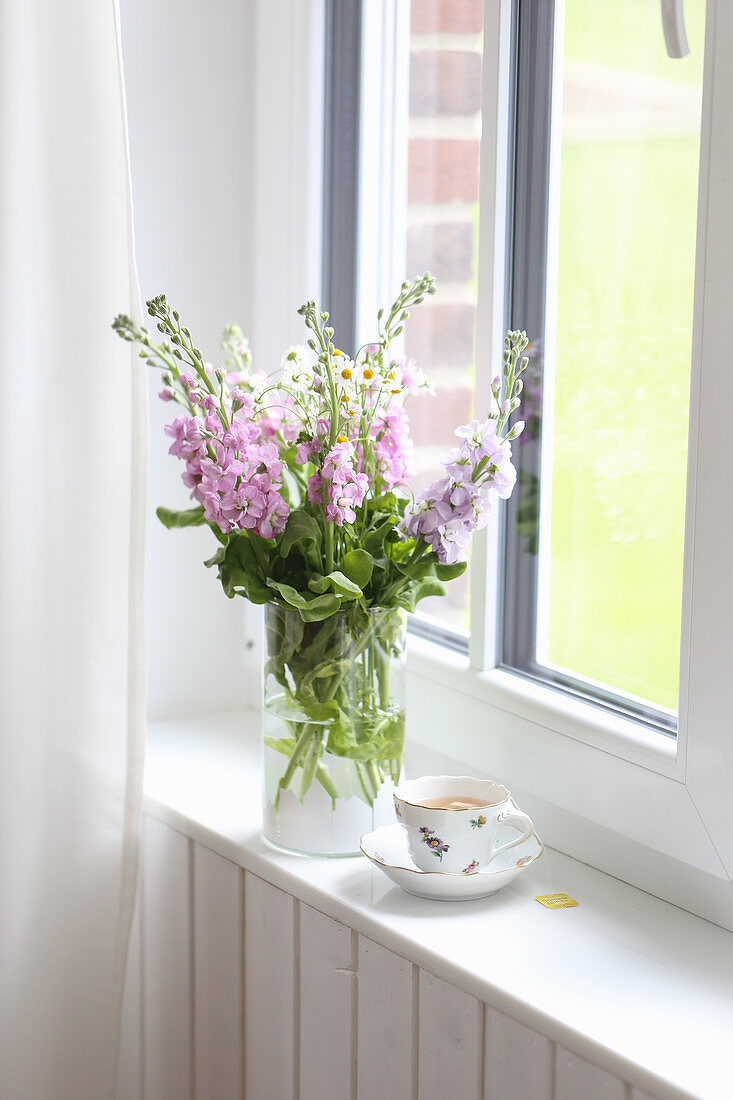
(611, 536)
(442, 220)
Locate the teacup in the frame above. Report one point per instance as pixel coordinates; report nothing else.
(452, 822)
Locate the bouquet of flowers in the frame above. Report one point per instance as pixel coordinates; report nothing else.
(303, 478)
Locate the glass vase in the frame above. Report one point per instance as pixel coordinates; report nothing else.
(333, 726)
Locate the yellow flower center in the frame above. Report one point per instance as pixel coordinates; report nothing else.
(346, 373)
(342, 439)
(337, 351)
(368, 374)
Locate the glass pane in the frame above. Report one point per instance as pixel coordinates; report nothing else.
(611, 536)
(442, 220)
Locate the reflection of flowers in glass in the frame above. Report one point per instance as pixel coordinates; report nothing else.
(471, 867)
(433, 842)
(478, 822)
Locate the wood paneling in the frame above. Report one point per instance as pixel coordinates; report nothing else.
(387, 1043)
(327, 1006)
(271, 992)
(167, 955)
(576, 1079)
(519, 1062)
(235, 989)
(218, 949)
(450, 1036)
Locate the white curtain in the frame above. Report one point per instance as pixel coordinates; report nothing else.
(72, 440)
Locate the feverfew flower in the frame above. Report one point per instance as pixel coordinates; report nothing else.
(299, 366)
(344, 374)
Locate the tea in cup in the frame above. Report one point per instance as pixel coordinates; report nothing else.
(453, 822)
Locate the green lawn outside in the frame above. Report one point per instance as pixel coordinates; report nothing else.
(625, 285)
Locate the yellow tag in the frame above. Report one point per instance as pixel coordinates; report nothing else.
(556, 901)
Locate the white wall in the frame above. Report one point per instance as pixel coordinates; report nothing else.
(189, 77)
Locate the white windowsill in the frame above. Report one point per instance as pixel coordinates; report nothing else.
(629, 982)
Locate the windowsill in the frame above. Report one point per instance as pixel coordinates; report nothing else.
(629, 982)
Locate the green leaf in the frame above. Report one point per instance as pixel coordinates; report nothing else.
(337, 583)
(215, 559)
(300, 710)
(450, 572)
(320, 608)
(358, 566)
(301, 528)
(311, 611)
(192, 517)
(374, 541)
(411, 596)
(417, 570)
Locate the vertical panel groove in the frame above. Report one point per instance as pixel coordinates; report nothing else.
(553, 1082)
(483, 1082)
(243, 990)
(415, 1032)
(296, 1000)
(354, 1013)
(192, 964)
(143, 960)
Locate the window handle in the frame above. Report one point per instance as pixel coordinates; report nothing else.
(673, 25)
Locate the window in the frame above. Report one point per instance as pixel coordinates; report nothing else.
(605, 787)
(606, 173)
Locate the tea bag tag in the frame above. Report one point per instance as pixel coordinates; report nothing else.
(556, 901)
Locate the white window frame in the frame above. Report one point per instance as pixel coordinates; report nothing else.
(602, 788)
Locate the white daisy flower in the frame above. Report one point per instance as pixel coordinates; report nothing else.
(298, 366)
(344, 373)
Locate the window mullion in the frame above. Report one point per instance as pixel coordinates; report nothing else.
(497, 108)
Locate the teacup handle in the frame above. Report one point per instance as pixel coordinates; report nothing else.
(524, 821)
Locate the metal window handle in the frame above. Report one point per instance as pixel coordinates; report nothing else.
(673, 25)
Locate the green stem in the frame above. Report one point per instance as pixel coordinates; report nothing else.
(329, 547)
(287, 777)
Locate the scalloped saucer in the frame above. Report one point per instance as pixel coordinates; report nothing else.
(386, 847)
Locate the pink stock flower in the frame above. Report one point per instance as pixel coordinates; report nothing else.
(273, 523)
(315, 489)
(339, 460)
(344, 499)
(393, 447)
(305, 450)
(233, 472)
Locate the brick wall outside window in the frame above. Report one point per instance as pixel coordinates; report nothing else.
(442, 219)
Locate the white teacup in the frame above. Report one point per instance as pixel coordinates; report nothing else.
(460, 838)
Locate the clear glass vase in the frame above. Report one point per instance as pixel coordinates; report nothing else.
(333, 726)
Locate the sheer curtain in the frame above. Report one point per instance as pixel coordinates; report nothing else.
(71, 551)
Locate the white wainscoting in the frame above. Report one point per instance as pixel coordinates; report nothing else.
(238, 989)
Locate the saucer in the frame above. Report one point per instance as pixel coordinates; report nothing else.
(387, 849)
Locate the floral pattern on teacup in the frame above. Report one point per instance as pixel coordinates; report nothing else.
(478, 822)
(471, 867)
(433, 842)
(521, 862)
(397, 809)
